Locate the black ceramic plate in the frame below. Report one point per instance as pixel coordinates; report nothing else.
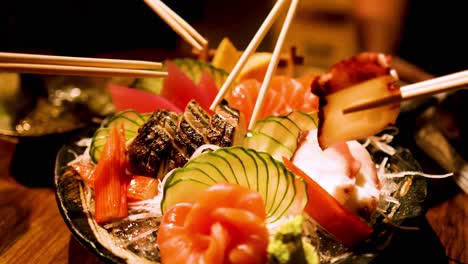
(405, 246)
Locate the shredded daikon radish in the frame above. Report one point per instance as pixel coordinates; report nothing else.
(84, 157)
(381, 172)
(163, 182)
(418, 173)
(152, 205)
(391, 199)
(202, 149)
(389, 220)
(381, 143)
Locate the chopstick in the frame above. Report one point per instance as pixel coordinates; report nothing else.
(52, 69)
(253, 45)
(11, 57)
(273, 62)
(437, 85)
(64, 65)
(179, 25)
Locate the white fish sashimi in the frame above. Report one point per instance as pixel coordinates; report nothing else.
(345, 170)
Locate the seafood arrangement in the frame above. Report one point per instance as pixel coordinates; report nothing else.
(166, 180)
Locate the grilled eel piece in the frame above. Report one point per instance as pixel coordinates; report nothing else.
(225, 123)
(167, 140)
(152, 143)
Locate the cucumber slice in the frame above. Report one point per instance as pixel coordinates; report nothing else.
(278, 135)
(195, 68)
(146, 116)
(198, 173)
(129, 118)
(249, 162)
(278, 127)
(228, 174)
(274, 180)
(196, 187)
(98, 142)
(256, 140)
(240, 171)
(206, 167)
(284, 193)
(192, 67)
(131, 121)
(303, 120)
(152, 85)
(264, 177)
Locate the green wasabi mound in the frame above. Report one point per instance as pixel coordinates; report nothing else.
(287, 245)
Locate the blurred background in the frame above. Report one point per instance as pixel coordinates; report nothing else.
(429, 34)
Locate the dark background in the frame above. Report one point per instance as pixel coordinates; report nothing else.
(85, 27)
(89, 27)
(433, 36)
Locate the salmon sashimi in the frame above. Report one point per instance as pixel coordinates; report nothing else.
(225, 225)
(284, 95)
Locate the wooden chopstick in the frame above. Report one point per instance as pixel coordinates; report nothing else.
(437, 85)
(253, 45)
(178, 24)
(273, 62)
(52, 69)
(77, 61)
(184, 24)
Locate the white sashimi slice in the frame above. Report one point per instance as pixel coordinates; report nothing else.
(345, 171)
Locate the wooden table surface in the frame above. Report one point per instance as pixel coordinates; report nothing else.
(33, 231)
(31, 227)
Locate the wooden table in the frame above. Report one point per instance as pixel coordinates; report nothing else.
(31, 227)
(33, 231)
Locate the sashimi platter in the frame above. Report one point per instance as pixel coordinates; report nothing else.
(176, 176)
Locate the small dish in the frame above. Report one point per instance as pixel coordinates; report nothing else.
(40, 113)
(33, 105)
